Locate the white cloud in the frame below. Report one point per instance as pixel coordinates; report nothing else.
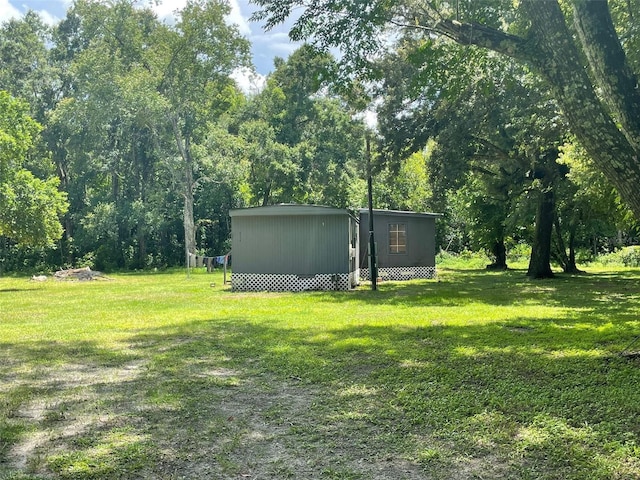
(279, 42)
(251, 83)
(166, 10)
(50, 11)
(48, 17)
(369, 117)
(236, 17)
(8, 11)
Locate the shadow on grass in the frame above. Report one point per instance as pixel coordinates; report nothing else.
(529, 400)
(539, 402)
(228, 397)
(504, 396)
(607, 295)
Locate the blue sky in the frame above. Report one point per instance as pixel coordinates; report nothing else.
(265, 45)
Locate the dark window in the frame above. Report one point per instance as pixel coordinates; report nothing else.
(397, 238)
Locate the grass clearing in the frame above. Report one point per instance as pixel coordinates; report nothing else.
(474, 375)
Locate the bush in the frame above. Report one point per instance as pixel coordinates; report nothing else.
(630, 256)
(519, 253)
(463, 260)
(626, 256)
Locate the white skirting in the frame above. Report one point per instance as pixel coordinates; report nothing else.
(260, 282)
(400, 273)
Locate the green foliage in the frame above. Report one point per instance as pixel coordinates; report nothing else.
(147, 130)
(25, 70)
(600, 210)
(140, 101)
(302, 144)
(626, 23)
(577, 65)
(463, 260)
(626, 256)
(630, 256)
(518, 253)
(18, 133)
(406, 188)
(30, 207)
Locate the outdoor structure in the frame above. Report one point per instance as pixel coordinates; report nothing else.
(405, 244)
(293, 248)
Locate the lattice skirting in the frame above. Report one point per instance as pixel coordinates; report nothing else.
(400, 273)
(257, 282)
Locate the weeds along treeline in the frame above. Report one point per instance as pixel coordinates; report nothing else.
(518, 259)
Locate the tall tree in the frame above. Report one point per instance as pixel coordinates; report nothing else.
(25, 69)
(589, 211)
(30, 206)
(142, 96)
(492, 131)
(195, 60)
(303, 144)
(576, 50)
(405, 187)
(102, 132)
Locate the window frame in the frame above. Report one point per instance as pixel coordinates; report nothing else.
(397, 247)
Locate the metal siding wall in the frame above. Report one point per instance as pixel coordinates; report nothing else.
(364, 241)
(299, 244)
(381, 232)
(420, 240)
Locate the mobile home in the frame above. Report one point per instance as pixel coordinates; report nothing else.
(405, 244)
(292, 247)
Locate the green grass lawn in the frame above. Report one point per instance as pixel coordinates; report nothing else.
(474, 375)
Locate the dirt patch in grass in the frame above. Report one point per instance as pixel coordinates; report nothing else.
(64, 404)
(88, 421)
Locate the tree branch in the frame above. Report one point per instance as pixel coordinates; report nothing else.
(485, 37)
(483, 170)
(491, 146)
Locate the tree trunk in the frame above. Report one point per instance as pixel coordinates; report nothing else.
(3, 253)
(66, 242)
(558, 249)
(266, 195)
(572, 267)
(142, 249)
(499, 251)
(567, 259)
(608, 62)
(184, 147)
(540, 261)
(189, 223)
(559, 61)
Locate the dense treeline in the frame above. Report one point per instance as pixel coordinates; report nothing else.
(125, 142)
(152, 142)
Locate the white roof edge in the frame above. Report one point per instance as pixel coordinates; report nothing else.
(287, 209)
(381, 211)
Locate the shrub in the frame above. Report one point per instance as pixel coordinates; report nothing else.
(519, 253)
(463, 260)
(626, 256)
(630, 256)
